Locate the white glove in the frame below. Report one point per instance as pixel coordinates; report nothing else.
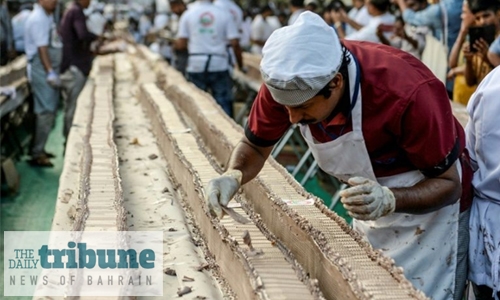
(222, 189)
(53, 79)
(367, 200)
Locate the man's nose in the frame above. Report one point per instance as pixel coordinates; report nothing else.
(295, 115)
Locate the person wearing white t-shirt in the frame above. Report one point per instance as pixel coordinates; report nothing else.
(296, 8)
(43, 48)
(204, 29)
(261, 29)
(18, 22)
(379, 12)
(483, 138)
(357, 17)
(246, 29)
(237, 14)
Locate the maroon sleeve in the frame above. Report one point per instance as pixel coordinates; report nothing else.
(429, 134)
(268, 120)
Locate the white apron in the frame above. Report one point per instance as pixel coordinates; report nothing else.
(424, 245)
(484, 261)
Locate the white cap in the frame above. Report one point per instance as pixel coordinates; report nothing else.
(300, 59)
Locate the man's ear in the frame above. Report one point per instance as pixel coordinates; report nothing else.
(336, 81)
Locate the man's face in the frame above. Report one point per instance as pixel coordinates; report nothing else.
(486, 17)
(177, 8)
(318, 108)
(48, 5)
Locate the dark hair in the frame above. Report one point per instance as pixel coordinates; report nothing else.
(326, 91)
(297, 3)
(483, 5)
(381, 5)
(336, 5)
(265, 8)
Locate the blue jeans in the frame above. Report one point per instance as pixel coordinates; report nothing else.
(219, 83)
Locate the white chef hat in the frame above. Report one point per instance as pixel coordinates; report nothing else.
(300, 59)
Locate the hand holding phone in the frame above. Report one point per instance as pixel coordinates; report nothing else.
(476, 33)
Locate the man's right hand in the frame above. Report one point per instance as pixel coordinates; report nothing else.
(53, 79)
(222, 189)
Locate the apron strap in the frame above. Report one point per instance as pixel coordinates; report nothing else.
(354, 100)
(209, 55)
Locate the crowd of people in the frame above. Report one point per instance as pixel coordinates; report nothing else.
(404, 24)
(59, 44)
(422, 188)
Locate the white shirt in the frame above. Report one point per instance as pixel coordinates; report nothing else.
(360, 16)
(37, 30)
(18, 23)
(274, 21)
(369, 32)
(233, 9)
(96, 22)
(295, 15)
(261, 30)
(246, 29)
(417, 33)
(483, 135)
(207, 28)
(144, 25)
(160, 21)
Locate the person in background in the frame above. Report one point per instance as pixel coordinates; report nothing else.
(494, 52)
(477, 65)
(246, 30)
(368, 113)
(44, 50)
(204, 30)
(7, 50)
(146, 24)
(442, 18)
(405, 37)
(456, 61)
(77, 57)
(483, 142)
(311, 5)
(283, 19)
(133, 28)
(261, 29)
(160, 20)
(95, 18)
(379, 14)
(18, 22)
(296, 8)
(237, 14)
(356, 18)
(180, 57)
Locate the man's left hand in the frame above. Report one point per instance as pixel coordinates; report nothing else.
(367, 200)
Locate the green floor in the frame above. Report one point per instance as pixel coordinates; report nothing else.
(32, 208)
